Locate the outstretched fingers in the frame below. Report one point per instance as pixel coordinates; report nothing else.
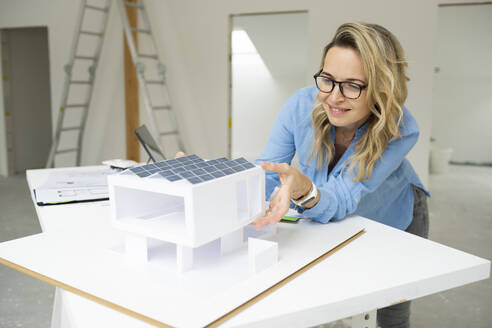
(277, 209)
(280, 168)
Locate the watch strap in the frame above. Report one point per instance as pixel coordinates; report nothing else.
(309, 197)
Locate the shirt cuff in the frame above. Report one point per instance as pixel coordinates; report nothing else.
(322, 211)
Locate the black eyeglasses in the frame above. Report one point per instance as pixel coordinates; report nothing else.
(349, 90)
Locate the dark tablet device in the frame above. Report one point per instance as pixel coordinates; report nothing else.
(149, 144)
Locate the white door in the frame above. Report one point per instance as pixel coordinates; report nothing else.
(462, 96)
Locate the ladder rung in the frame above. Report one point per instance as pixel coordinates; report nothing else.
(139, 30)
(91, 33)
(66, 151)
(71, 128)
(80, 82)
(161, 107)
(85, 57)
(147, 56)
(134, 5)
(96, 8)
(154, 82)
(168, 133)
(75, 105)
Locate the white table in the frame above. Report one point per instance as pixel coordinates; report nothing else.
(382, 267)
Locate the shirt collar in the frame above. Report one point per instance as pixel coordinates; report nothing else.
(358, 134)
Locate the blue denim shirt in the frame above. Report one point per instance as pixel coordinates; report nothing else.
(386, 197)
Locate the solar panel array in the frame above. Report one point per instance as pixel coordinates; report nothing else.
(193, 169)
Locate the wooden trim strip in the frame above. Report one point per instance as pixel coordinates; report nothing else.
(462, 4)
(284, 281)
(84, 294)
(132, 112)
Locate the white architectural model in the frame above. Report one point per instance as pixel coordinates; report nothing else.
(190, 202)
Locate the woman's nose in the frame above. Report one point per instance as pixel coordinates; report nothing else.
(336, 93)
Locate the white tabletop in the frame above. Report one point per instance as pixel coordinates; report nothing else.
(83, 219)
(383, 267)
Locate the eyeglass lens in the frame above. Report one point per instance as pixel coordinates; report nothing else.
(348, 89)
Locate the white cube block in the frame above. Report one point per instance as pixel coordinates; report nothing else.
(262, 254)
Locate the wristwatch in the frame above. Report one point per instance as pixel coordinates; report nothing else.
(309, 197)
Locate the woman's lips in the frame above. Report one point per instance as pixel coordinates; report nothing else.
(338, 110)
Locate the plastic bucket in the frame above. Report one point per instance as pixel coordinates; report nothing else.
(439, 160)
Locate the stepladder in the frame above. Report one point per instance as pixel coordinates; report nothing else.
(80, 80)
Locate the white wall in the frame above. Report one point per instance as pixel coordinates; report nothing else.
(462, 113)
(194, 40)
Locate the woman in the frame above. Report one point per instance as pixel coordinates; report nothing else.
(351, 134)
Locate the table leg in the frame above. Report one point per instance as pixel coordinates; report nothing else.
(57, 310)
(365, 320)
(63, 315)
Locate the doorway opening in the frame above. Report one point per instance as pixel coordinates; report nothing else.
(268, 61)
(26, 97)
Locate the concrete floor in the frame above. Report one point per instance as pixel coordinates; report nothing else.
(24, 301)
(461, 217)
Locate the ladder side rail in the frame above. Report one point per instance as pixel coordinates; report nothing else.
(128, 32)
(148, 108)
(138, 67)
(93, 70)
(78, 28)
(147, 26)
(172, 116)
(162, 72)
(64, 97)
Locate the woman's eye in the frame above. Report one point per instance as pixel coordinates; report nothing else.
(352, 87)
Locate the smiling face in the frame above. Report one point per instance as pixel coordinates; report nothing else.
(344, 65)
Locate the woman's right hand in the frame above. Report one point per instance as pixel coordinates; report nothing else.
(294, 185)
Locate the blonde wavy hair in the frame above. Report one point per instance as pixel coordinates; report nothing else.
(384, 63)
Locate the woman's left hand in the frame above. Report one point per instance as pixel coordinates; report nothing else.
(294, 185)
